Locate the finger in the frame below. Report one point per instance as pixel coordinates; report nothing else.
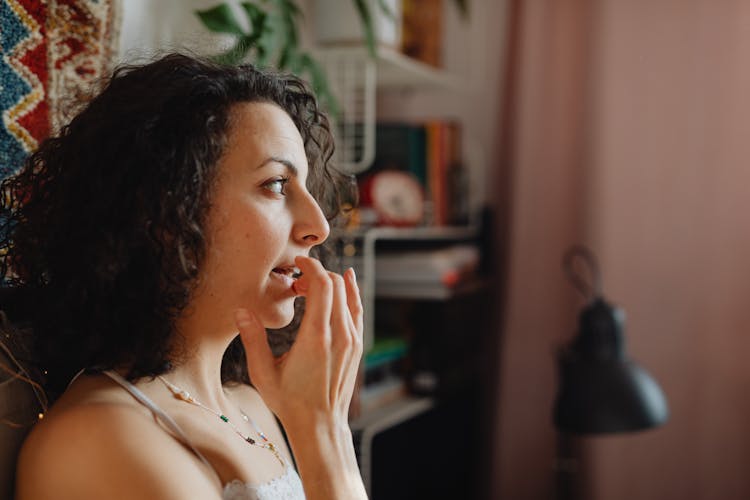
(260, 361)
(354, 301)
(355, 310)
(341, 334)
(300, 286)
(340, 318)
(319, 297)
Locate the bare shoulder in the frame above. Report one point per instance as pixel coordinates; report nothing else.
(100, 448)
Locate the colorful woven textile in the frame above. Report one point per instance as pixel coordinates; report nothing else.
(23, 79)
(52, 51)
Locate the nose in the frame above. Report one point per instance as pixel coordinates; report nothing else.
(311, 226)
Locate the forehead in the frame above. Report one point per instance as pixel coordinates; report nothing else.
(258, 132)
(263, 122)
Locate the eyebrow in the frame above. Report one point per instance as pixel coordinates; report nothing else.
(293, 170)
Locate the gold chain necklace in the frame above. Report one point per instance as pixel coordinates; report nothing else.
(266, 444)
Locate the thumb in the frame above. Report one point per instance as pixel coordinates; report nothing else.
(260, 360)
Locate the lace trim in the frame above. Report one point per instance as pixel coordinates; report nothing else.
(287, 486)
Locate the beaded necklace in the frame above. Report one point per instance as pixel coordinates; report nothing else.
(266, 444)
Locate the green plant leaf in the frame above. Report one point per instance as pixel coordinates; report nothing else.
(273, 32)
(290, 7)
(257, 16)
(288, 14)
(285, 56)
(261, 38)
(220, 19)
(293, 62)
(236, 54)
(386, 9)
(319, 82)
(365, 16)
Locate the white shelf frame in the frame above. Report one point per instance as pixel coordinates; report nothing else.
(369, 239)
(396, 70)
(355, 78)
(383, 418)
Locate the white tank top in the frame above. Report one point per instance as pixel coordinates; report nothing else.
(287, 486)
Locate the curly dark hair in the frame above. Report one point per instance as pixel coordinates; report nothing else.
(105, 223)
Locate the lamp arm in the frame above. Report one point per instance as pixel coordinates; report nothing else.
(589, 289)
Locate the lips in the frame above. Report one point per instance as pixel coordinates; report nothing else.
(286, 276)
(288, 271)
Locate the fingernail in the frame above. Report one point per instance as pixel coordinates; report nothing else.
(243, 318)
(353, 278)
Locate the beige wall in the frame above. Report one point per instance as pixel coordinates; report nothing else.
(630, 134)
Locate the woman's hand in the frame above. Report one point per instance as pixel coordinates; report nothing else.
(310, 387)
(316, 378)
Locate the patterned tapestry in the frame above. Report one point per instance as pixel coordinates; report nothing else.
(52, 51)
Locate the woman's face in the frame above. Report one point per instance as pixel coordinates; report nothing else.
(262, 216)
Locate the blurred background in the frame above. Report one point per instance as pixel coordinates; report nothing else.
(487, 137)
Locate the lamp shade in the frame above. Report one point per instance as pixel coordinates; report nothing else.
(601, 390)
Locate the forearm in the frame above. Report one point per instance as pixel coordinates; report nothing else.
(325, 457)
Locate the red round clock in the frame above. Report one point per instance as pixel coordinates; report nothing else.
(396, 196)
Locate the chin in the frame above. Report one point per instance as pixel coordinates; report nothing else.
(279, 317)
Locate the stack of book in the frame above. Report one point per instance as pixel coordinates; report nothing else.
(383, 380)
(426, 274)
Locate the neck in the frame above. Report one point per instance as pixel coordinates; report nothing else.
(205, 338)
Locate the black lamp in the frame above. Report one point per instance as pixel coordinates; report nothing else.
(601, 389)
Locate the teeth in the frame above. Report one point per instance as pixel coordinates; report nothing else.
(288, 271)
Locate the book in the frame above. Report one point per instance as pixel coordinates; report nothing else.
(381, 393)
(447, 266)
(401, 146)
(443, 158)
(385, 351)
(422, 30)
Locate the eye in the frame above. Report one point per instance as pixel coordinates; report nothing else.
(277, 185)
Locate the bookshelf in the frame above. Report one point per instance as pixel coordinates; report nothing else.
(395, 70)
(395, 394)
(355, 78)
(359, 78)
(365, 262)
(366, 428)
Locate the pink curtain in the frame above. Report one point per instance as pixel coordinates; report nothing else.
(625, 128)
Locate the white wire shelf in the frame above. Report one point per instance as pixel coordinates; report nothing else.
(411, 233)
(394, 69)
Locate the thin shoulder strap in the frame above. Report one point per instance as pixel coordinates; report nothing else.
(159, 413)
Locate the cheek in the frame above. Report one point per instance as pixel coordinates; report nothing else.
(256, 242)
(247, 238)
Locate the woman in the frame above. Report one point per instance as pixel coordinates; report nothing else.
(172, 213)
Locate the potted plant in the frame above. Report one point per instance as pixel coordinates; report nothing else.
(273, 38)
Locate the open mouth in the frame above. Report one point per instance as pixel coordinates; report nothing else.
(290, 272)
